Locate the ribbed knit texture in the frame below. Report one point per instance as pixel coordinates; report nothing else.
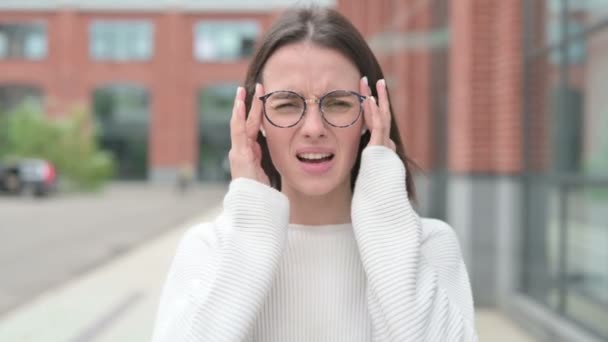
(250, 276)
(319, 291)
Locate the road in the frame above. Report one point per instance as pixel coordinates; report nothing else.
(45, 243)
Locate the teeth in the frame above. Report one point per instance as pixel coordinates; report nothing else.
(314, 156)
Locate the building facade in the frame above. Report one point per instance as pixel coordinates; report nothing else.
(501, 104)
(156, 78)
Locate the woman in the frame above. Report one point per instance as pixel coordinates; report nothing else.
(317, 240)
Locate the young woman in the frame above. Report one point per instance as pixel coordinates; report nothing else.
(317, 240)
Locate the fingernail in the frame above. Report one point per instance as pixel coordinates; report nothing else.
(238, 91)
(257, 87)
(373, 99)
(382, 83)
(365, 79)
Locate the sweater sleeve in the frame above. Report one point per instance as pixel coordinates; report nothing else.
(418, 286)
(223, 270)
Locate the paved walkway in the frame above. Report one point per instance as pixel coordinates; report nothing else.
(118, 302)
(48, 242)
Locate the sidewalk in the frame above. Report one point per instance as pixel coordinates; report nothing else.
(118, 302)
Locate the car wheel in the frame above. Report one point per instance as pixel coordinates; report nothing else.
(12, 183)
(40, 190)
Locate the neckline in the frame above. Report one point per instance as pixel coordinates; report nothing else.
(338, 227)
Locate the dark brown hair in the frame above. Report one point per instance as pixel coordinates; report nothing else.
(327, 28)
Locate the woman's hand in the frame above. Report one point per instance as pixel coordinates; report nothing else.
(377, 116)
(245, 153)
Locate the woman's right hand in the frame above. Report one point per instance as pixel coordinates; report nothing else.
(245, 153)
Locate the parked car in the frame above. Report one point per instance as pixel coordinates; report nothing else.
(36, 176)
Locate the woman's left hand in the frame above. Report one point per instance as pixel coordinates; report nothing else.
(377, 114)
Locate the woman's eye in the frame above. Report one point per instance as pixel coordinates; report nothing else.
(287, 107)
(338, 104)
(284, 105)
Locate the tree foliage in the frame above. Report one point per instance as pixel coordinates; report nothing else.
(68, 142)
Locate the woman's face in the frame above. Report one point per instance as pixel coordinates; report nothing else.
(312, 157)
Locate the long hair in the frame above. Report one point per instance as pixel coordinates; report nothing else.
(327, 28)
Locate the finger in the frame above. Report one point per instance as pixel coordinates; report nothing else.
(238, 136)
(367, 111)
(378, 129)
(383, 102)
(368, 116)
(255, 113)
(364, 87)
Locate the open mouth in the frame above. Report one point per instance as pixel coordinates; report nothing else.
(315, 158)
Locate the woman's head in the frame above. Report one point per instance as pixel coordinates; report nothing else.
(312, 52)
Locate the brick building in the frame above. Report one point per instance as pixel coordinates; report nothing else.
(87, 56)
(500, 102)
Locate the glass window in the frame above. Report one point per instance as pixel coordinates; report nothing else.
(224, 41)
(23, 41)
(576, 48)
(122, 115)
(590, 12)
(121, 40)
(566, 260)
(15, 95)
(214, 111)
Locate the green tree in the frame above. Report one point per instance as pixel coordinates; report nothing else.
(68, 142)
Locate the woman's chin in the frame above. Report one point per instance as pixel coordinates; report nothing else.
(316, 187)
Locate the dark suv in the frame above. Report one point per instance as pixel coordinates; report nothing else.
(37, 176)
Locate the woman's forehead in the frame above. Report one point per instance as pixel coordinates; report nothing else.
(309, 67)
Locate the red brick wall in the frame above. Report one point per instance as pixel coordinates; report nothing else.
(40, 74)
(508, 73)
(407, 71)
(471, 110)
(485, 80)
(173, 78)
(485, 109)
(539, 77)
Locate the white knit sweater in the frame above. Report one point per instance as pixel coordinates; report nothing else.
(251, 276)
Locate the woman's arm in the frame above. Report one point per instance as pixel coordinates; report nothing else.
(223, 270)
(418, 287)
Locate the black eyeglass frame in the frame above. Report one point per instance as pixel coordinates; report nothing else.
(318, 101)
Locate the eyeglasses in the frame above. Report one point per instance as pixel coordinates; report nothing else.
(339, 108)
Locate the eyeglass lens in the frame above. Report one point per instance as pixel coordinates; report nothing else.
(339, 108)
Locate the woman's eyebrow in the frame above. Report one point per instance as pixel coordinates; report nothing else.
(314, 95)
(283, 94)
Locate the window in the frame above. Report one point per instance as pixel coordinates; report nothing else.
(121, 40)
(214, 111)
(576, 49)
(224, 41)
(565, 263)
(14, 95)
(122, 116)
(23, 41)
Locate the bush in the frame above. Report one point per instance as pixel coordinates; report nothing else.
(68, 142)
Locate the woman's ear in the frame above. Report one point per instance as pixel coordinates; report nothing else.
(262, 130)
(363, 130)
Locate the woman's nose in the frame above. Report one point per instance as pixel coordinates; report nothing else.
(313, 126)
